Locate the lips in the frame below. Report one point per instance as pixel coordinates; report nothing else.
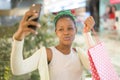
(67, 38)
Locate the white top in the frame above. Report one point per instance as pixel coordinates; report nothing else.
(38, 61)
(65, 67)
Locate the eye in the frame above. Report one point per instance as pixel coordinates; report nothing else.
(70, 28)
(60, 29)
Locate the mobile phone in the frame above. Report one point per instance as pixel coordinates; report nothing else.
(37, 8)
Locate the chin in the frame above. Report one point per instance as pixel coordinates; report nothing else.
(67, 43)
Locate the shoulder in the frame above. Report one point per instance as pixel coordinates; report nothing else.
(74, 49)
(79, 50)
(48, 50)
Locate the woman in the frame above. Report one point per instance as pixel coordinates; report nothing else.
(61, 62)
(105, 17)
(112, 17)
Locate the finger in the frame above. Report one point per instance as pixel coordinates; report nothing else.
(33, 31)
(33, 23)
(33, 17)
(90, 22)
(87, 20)
(29, 30)
(29, 14)
(92, 19)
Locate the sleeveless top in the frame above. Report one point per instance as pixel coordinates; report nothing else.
(65, 67)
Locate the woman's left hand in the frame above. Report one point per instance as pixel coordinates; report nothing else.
(89, 23)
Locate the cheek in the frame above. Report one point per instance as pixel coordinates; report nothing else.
(73, 35)
(58, 34)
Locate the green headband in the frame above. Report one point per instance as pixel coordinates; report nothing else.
(62, 13)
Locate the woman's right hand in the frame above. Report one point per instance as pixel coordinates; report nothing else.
(23, 29)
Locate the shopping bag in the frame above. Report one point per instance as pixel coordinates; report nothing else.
(101, 66)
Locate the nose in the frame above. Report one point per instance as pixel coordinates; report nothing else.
(66, 32)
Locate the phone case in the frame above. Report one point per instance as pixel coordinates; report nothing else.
(37, 8)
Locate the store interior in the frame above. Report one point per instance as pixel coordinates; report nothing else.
(12, 11)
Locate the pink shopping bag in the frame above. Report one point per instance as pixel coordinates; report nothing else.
(101, 66)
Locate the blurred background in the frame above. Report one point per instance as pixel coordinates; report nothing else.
(105, 12)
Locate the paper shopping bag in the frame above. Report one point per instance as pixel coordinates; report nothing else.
(101, 67)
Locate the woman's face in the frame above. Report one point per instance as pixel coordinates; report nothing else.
(113, 9)
(107, 9)
(65, 30)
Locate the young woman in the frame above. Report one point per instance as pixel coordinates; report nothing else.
(112, 17)
(105, 17)
(60, 62)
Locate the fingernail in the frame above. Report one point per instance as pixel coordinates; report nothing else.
(39, 25)
(36, 33)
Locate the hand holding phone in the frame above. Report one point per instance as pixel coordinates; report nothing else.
(37, 9)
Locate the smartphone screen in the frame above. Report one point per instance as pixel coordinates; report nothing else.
(37, 8)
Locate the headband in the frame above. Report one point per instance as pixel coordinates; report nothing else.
(61, 13)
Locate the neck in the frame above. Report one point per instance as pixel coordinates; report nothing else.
(65, 49)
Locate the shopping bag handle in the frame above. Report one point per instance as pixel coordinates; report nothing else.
(96, 39)
(96, 35)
